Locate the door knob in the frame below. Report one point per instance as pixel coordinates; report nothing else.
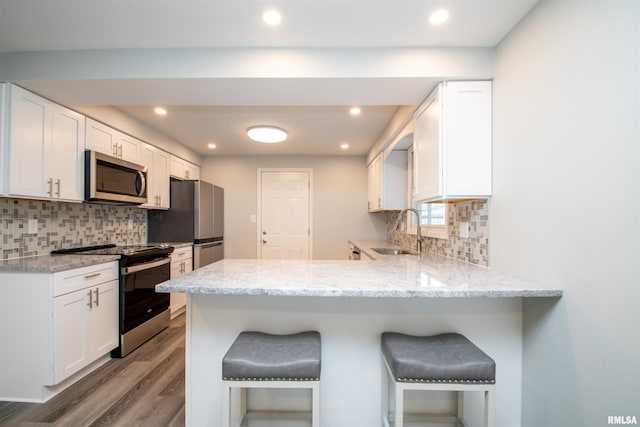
(264, 241)
(264, 232)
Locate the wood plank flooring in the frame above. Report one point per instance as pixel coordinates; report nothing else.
(145, 388)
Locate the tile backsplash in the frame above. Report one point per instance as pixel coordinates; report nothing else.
(474, 249)
(65, 225)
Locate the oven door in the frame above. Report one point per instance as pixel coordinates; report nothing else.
(139, 300)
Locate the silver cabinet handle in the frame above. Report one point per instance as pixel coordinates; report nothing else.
(115, 149)
(91, 276)
(90, 304)
(120, 151)
(58, 187)
(50, 192)
(97, 297)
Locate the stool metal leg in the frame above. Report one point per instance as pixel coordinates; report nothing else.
(385, 395)
(460, 405)
(315, 405)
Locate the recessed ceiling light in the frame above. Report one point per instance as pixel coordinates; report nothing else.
(267, 134)
(160, 111)
(212, 146)
(355, 111)
(344, 146)
(272, 17)
(438, 17)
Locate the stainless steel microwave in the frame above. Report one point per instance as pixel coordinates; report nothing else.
(114, 181)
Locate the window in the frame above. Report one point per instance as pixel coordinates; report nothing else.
(433, 216)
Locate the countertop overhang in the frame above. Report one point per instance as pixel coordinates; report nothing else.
(426, 276)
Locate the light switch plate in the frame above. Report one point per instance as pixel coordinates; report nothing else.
(252, 219)
(464, 230)
(33, 226)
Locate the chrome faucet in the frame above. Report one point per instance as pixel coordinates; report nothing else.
(419, 236)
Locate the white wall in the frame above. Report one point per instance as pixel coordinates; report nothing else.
(339, 201)
(566, 204)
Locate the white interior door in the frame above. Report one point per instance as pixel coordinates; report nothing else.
(285, 214)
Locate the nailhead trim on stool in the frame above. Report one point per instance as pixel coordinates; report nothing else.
(261, 360)
(445, 362)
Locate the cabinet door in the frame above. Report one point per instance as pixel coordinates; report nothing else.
(29, 134)
(100, 138)
(428, 148)
(374, 184)
(161, 178)
(467, 167)
(64, 160)
(103, 324)
(128, 148)
(192, 171)
(70, 333)
(177, 168)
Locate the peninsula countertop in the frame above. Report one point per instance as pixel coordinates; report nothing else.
(408, 276)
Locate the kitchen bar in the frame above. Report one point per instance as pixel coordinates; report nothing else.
(350, 304)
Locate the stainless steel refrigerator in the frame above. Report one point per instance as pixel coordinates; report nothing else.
(196, 214)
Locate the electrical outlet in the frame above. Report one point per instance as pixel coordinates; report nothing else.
(464, 230)
(252, 219)
(130, 224)
(33, 226)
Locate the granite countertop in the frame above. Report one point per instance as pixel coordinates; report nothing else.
(53, 263)
(388, 276)
(56, 263)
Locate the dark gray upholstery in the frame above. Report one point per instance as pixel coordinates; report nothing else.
(261, 356)
(439, 358)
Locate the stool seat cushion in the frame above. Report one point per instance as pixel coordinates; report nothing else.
(262, 356)
(439, 358)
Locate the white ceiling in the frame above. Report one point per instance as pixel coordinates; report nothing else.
(314, 111)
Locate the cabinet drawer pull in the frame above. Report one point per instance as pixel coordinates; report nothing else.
(58, 188)
(97, 297)
(90, 303)
(50, 192)
(91, 276)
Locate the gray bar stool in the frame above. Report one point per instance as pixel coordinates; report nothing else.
(260, 360)
(446, 362)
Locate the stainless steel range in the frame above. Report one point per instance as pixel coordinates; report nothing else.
(143, 312)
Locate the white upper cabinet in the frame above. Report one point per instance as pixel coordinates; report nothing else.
(182, 169)
(452, 143)
(374, 184)
(44, 148)
(107, 140)
(158, 178)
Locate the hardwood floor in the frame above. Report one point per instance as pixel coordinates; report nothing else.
(146, 388)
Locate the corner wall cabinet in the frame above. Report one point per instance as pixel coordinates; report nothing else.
(452, 142)
(42, 149)
(110, 141)
(182, 169)
(181, 263)
(54, 326)
(387, 181)
(157, 161)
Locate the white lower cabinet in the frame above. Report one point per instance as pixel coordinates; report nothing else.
(55, 327)
(181, 263)
(85, 327)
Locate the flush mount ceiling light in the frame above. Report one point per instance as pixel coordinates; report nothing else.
(267, 134)
(160, 111)
(344, 146)
(355, 111)
(211, 146)
(272, 17)
(439, 17)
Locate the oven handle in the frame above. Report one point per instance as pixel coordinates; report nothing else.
(144, 266)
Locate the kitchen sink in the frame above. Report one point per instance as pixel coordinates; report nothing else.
(392, 251)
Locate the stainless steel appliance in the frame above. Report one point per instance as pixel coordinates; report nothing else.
(196, 214)
(143, 312)
(112, 180)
